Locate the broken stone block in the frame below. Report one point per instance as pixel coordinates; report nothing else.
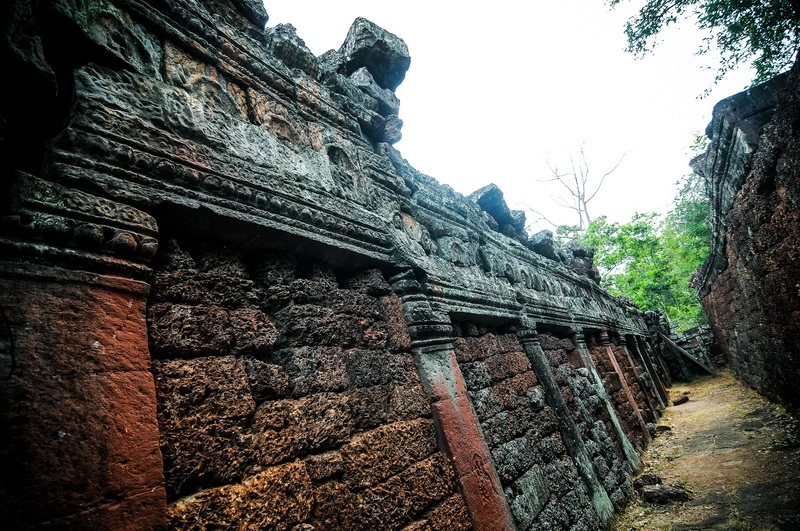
(543, 243)
(646, 480)
(664, 494)
(382, 53)
(681, 400)
(391, 130)
(283, 42)
(509, 222)
(387, 102)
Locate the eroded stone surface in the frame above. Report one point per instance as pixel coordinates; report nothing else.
(748, 284)
(318, 417)
(331, 338)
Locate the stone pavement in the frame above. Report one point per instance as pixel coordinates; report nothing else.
(736, 453)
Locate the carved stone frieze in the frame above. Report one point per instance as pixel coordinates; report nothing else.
(50, 221)
(330, 334)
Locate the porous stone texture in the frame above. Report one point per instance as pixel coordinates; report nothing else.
(634, 407)
(285, 398)
(522, 433)
(748, 286)
(590, 416)
(228, 302)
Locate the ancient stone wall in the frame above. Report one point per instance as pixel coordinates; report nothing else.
(749, 285)
(280, 384)
(625, 392)
(540, 481)
(227, 301)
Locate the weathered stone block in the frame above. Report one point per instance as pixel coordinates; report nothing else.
(204, 404)
(485, 346)
(366, 367)
(253, 332)
(409, 493)
(388, 104)
(529, 495)
(374, 456)
(398, 337)
(408, 401)
(282, 40)
(203, 387)
(513, 393)
(314, 370)
(278, 498)
(188, 331)
(451, 515)
(542, 243)
(323, 466)
(536, 398)
(312, 325)
(289, 428)
(513, 458)
(504, 366)
(486, 402)
(370, 282)
(192, 287)
(476, 375)
(383, 54)
(370, 405)
(266, 380)
(336, 507)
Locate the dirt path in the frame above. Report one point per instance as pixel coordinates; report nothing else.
(737, 455)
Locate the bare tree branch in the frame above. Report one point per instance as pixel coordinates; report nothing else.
(541, 217)
(603, 178)
(576, 183)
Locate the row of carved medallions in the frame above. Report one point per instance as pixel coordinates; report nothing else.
(464, 272)
(465, 248)
(49, 220)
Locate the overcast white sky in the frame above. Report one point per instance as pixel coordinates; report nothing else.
(498, 89)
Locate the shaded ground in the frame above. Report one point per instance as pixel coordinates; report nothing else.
(736, 453)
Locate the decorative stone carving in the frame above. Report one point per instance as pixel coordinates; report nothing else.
(76, 226)
(285, 365)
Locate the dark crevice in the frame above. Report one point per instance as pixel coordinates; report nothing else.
(36, 113)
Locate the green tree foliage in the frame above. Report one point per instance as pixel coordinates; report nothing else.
(766, 32)
(651, 260)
